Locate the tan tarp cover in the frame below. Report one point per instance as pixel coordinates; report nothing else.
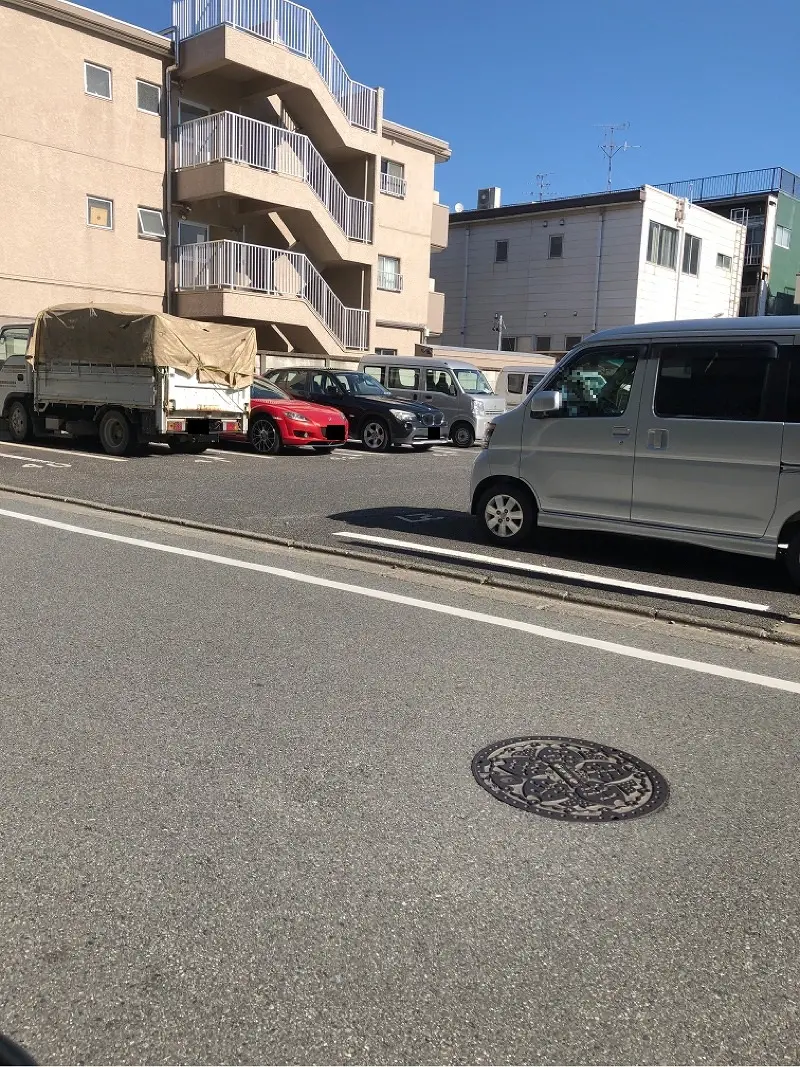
(130, 337)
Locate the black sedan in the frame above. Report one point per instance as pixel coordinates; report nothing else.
(374, 415)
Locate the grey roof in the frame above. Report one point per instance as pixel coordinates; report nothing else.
(763, 324)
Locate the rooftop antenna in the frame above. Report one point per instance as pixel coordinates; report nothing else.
(609, 147)
(543, 183)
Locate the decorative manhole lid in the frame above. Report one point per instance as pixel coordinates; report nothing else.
(569, 779)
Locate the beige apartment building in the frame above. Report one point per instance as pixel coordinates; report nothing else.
(231, 171)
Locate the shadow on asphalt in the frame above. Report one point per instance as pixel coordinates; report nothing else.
(638, 556)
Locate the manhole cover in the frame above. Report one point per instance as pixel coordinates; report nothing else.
(565, 778)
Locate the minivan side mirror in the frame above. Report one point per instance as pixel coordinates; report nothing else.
(545, 401)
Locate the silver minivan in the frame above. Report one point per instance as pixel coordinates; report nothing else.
(458, 389)
(684, 431)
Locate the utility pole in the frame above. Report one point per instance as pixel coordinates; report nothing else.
(543, 183)
(609, 147)
(499, 326)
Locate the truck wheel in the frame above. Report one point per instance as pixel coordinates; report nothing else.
(265, 437)
(462, 435)
(116, 434)
(19, 422)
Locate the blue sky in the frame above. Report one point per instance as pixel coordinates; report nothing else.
(518, 86)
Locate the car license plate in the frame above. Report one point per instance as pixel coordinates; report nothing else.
(434, 433)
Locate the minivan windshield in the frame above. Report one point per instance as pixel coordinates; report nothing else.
(359, 384)
(473, 381)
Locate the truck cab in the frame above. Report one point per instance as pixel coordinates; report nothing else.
(16, 374)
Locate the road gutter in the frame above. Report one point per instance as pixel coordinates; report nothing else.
(787, 632)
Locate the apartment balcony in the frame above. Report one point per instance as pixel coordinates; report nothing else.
(391, 282)
(435, 320)
(279, 45)
(753, 254)
(392, 185)
(440, 227)
(233, 155)
(234, 280)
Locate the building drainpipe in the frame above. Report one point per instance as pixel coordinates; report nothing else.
(464, 292)
(600, 231)
(169, 160)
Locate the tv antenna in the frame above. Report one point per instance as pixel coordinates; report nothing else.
(610, 147)
(542, 183)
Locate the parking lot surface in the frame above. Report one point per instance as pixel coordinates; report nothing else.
(420, 498)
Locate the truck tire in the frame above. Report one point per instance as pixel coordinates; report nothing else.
(116, 434)
(20, 426)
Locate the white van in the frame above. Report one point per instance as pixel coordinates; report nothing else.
(457, 388)
(684, 431)
(515, 382)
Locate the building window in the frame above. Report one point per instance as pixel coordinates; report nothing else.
(148, 97)
(572, 340)
(501, 251)
(662, 244)
(151, 222)
(542, 342)
(100, 213)
(723, 261)
(389, 276)
(97, 80)
(508, 344)
(691, 255)
(783, 236)
(556, 250)
(384, 352)
(393, 178)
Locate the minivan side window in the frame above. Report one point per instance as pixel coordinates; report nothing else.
(515, 382)
(726, 382)
(402, 378)
(597, 384)
(533, 381)
(376, 372)
(439, 381)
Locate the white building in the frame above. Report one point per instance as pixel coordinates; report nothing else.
(558, 270)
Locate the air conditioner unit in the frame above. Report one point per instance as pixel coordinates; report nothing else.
(488, 198)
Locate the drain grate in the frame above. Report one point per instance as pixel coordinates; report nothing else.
(569, 779)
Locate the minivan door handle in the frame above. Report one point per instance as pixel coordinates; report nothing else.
(657, 438)
(621, 431)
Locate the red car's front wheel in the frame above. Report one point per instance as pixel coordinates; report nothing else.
(264, 436)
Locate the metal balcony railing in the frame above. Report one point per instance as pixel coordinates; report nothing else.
(227, 136)
(739, 183)
(389, 280)
(275, 272)
(293, 26)
(393, 186)
(753, 254)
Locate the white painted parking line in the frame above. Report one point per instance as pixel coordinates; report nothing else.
(34, 461)
(67, 452)
(543, 632)
(554, 572)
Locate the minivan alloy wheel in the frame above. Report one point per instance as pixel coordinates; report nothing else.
(504, 515)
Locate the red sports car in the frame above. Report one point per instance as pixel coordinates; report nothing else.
(278, 420)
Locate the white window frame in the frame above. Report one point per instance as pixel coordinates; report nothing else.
(384, 275)
(100, 200)
(660, 228)
(724, 262)
(393, 184)
(149, 85)
(555, 237)
(149, 235)
(97, 66)
(781, 231)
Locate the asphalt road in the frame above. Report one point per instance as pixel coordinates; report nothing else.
(239, 823)
(420, 497)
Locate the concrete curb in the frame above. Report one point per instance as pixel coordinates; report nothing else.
(572, 595)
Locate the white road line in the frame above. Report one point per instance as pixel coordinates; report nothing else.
(67, 452)
(33, 461)
(536, 568)
(425, 605)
